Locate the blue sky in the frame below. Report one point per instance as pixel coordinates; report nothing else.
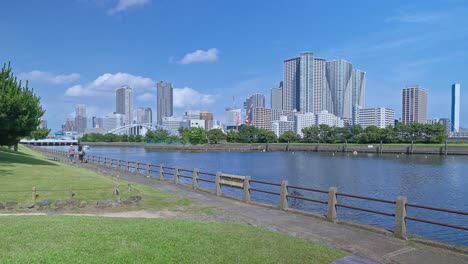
(80, 51)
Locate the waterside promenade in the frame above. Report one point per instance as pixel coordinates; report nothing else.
(378, 246)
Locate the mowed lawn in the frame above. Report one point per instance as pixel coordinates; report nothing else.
(21, 171)
(75, 239)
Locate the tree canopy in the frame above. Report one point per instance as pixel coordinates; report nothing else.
(20, 109)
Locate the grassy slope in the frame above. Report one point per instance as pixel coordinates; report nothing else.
(20, 171)
(62, 239)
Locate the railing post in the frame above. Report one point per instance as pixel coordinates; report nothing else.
(331, 212)
(119, 165)
(148, 170)
(195, 178)
(161, 172)
(246, 196)
(176, 175)
(400, 216)
(284, 195)
(34, 193)
(218, 183)
(104, 162)
(137, 164)
(126, 165)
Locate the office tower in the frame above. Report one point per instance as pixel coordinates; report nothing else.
(414, 105)
(291, 83)
(277, 97)
(282, 125)
(448, 125)
(124, 103)
(164, 100)
(233, 117)
(358, 91)
(261, 118)
(380, 117)
(98, 122)
(208, 117)
(338, 95)
(144, 115)
(69, 125)
(303, 121)
(113, 121)
(80, 118)
(192, 114)
(254, 101)
(171, 122)
(455, 117)
(312, 83)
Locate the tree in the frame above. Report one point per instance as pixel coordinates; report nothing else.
(215, 136)
(289, 137)
(39, 133)
(232, 136)
(248, 134)
(20, 109)
(266, 136)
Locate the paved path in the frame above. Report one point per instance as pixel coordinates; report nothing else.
(378, 247)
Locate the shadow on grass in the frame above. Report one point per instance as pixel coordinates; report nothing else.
(12, 157)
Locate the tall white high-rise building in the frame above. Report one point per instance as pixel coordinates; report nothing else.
(144, 115)
(455, 115)
(414, 105)
(358, 92)
(80, 118)
(164, 100)
(113, 121)
(338, 96)
(277, 97)
(312, 82)
(124, 103)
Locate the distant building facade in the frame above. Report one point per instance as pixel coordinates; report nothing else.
(144, 115)
(380, 117)
(164, 100)
(80, 118)
(124, 103)
(414, 105)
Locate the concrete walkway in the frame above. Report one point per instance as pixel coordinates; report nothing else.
(378, 247)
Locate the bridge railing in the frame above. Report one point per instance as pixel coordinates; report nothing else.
(283, 193)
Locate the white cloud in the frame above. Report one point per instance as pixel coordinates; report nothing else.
(108, 82)
(209, 55)
(47, 77)
(187, 97)
(123, 5)
(147, 97)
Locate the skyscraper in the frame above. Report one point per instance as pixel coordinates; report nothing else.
(455, 117)
(124, 103)
(144, 115)
(312, 82)
(414, 105)
(338, 95)
(277, 97)
(80, 118)
(233, 117)
(291, 83)
(254, 101)
(164, 100)
(358, 92)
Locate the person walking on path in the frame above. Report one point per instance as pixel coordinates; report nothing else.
(71, 153)
(81, 153)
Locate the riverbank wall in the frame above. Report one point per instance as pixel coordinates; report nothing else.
(344, 148)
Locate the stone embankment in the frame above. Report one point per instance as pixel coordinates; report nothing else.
(345, 148)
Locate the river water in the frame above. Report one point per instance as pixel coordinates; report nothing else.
(436, 181)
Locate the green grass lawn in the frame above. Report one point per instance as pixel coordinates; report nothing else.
(22, 170)
(73, 239)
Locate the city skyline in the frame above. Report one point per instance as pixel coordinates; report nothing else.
(397, 44)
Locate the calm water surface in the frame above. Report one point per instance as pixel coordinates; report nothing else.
(436, 181)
